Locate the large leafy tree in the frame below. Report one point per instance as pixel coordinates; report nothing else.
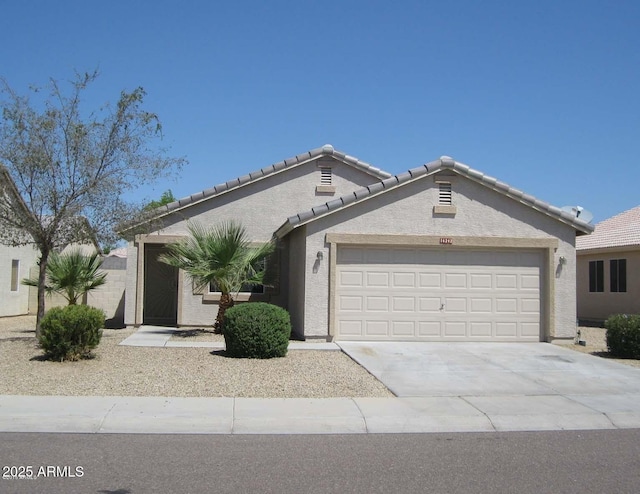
(63, 169)
(223, 256)
(71, 274)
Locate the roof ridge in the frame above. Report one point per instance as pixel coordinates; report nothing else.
(444, 162)
(326, 150)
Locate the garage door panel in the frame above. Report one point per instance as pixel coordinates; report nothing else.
(404, 280)
(530, 330)
(350, 328)
(429, 280)
(530, 306)
(351, 278)
(507, 305)
(350, 303)
(429, 304)
(378, 279)
(403, 328)
(454, 304)
(480, 329)
(455, 280)
(404, 304)
(377, 304)
(431, 295)
(506, 281)
(429, 329)
(455, 329)
(376, 328)
(480, 281)
(507, 329)
(530, 282)
(481, 305)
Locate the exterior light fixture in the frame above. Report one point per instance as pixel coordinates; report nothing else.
(319, 255)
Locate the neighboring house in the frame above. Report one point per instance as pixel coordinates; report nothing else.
(15, 263)
(439, 253)
(608, 263)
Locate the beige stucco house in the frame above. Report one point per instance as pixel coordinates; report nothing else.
(439, 253)
(608, 261)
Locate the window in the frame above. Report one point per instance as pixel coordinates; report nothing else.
(444, 197)
(15, 272)
(596, 276)
(618, 272)
(245, 288)
(325, 176)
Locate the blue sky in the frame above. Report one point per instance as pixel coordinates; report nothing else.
(540, 94)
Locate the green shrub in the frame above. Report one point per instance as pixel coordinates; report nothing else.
(623, 335)
(71, 332)
(256, 330)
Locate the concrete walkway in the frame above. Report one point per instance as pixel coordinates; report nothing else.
(493, 400)
(161, 336)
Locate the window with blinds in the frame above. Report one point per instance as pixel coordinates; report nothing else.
(618, 275)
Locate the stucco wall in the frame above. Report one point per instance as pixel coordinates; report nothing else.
(108, 297)
(261, 206)
(296, 268)
(15, 303)
(599, 306)
(408, 210)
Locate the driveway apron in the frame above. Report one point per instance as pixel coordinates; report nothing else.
(411, 369)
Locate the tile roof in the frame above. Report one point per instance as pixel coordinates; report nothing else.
(621, 230)
(326, 150)
(444, 163)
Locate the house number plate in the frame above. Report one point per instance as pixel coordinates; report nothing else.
(446, 241)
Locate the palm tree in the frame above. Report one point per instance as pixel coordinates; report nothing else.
(72, 275)
(223, 256)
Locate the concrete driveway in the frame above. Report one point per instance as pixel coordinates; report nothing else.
(491, 369)
(513, 386)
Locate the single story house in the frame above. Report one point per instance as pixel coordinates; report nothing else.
(441, 252)
(608, 278)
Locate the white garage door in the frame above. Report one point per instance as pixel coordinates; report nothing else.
(437, 295)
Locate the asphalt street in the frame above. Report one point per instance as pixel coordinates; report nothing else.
(583, 462)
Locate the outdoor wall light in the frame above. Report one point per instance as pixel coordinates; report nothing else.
(319, 255)
(562, 260)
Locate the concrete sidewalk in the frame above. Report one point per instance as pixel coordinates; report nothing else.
(157, 415)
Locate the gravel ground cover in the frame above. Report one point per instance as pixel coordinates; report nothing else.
(596, 344)
(189, 372)
(138, 371)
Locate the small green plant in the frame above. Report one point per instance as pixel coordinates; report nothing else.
(623, 335)
(71, 332)
(256, 330)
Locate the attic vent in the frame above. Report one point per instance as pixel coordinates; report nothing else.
(444, 197)
(325, 176)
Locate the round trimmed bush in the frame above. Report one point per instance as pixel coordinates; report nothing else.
(623, 335)
(256, 330)
(71, 332)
